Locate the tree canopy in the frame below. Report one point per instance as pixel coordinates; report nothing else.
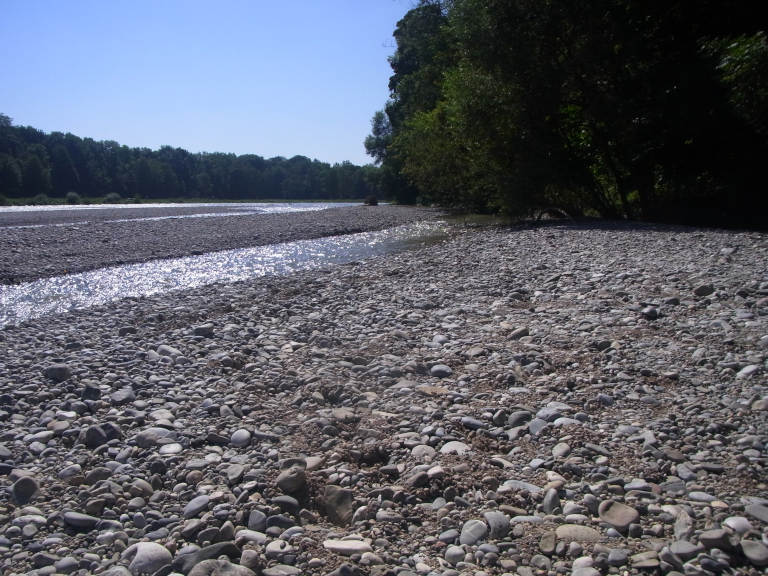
(34, 163)
(614, 108)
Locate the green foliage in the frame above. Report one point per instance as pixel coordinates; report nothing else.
(616, 108)
(41, 200)
(34, 163)
(73, 197)
(113, 198)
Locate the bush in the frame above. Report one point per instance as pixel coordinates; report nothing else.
(4, 201)
(113, 198)
(371, 201)
(73, 198)
(40, 199)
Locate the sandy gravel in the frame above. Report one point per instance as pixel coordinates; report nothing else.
(561, 399)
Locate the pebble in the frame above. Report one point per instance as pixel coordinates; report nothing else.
(293, 424)
(147, 558)
(472, 532)
(347, 547)
(617, 514)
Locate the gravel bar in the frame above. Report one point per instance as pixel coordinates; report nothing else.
(557, 399)
(28, 253)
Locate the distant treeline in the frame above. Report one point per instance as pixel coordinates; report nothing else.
(616, 108)
(37, 164)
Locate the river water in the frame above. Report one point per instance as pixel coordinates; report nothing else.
(62, 293)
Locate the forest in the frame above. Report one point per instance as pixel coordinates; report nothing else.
(46, 168)
(610, 108)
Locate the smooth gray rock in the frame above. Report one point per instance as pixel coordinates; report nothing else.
(147, 558)
(195, 506)
(756, 552)
(24, 490)
(292, 480)
(79, 520)
(472, 532)
(498, 522)
(339, 504)
(617, 514)
(440, 371)
(58, 372)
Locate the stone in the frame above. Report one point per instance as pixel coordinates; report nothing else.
(617, 514)
(292, 480)
(185, 562)
(756, 552)
(79, 521)
(147, 558)
(757, 511)
(195, 506)
(576, 533)
(257, 521)
(339, 504)
(704, 290)
(738, 524)
(24, 490)
(454, 554)
(441, 371)
(472, 532)
(455, 447)
(240, 438)
(498, 522)
(716, 538)
(58, 372)
(685, 550)
(347, 547)
(220, 567)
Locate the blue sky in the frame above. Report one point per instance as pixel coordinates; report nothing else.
(261, 77)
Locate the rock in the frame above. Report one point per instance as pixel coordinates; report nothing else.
(58, 372)
(220, 567)
(738, 524)
(197, 505)
(440, 371)
(498, 523)
(80, 521)
(454, 554)
(347, 547)
(758, 511)
(455, 447)
(24, 490)
(618, 515)
(185, 562)
(704, 289)
(339, 504)
(756, 552)
(147, 558)
(715, 538)
(472, 532)
(576, 533)
(204, 330)
(257, 521)
(292, 480)
(240, 438)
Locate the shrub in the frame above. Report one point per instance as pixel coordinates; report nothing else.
(371, 201)
(113, 198)
(40, 199)
(4, 201)
(73, 197)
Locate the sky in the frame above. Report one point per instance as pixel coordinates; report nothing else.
(273, 78)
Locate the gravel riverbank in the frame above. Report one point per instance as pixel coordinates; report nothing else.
(44, 250)
(537, 400)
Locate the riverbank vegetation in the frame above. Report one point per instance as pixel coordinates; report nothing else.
(619, 109)
(56, 168)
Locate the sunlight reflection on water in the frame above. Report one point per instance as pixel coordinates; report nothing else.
(61, 293)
